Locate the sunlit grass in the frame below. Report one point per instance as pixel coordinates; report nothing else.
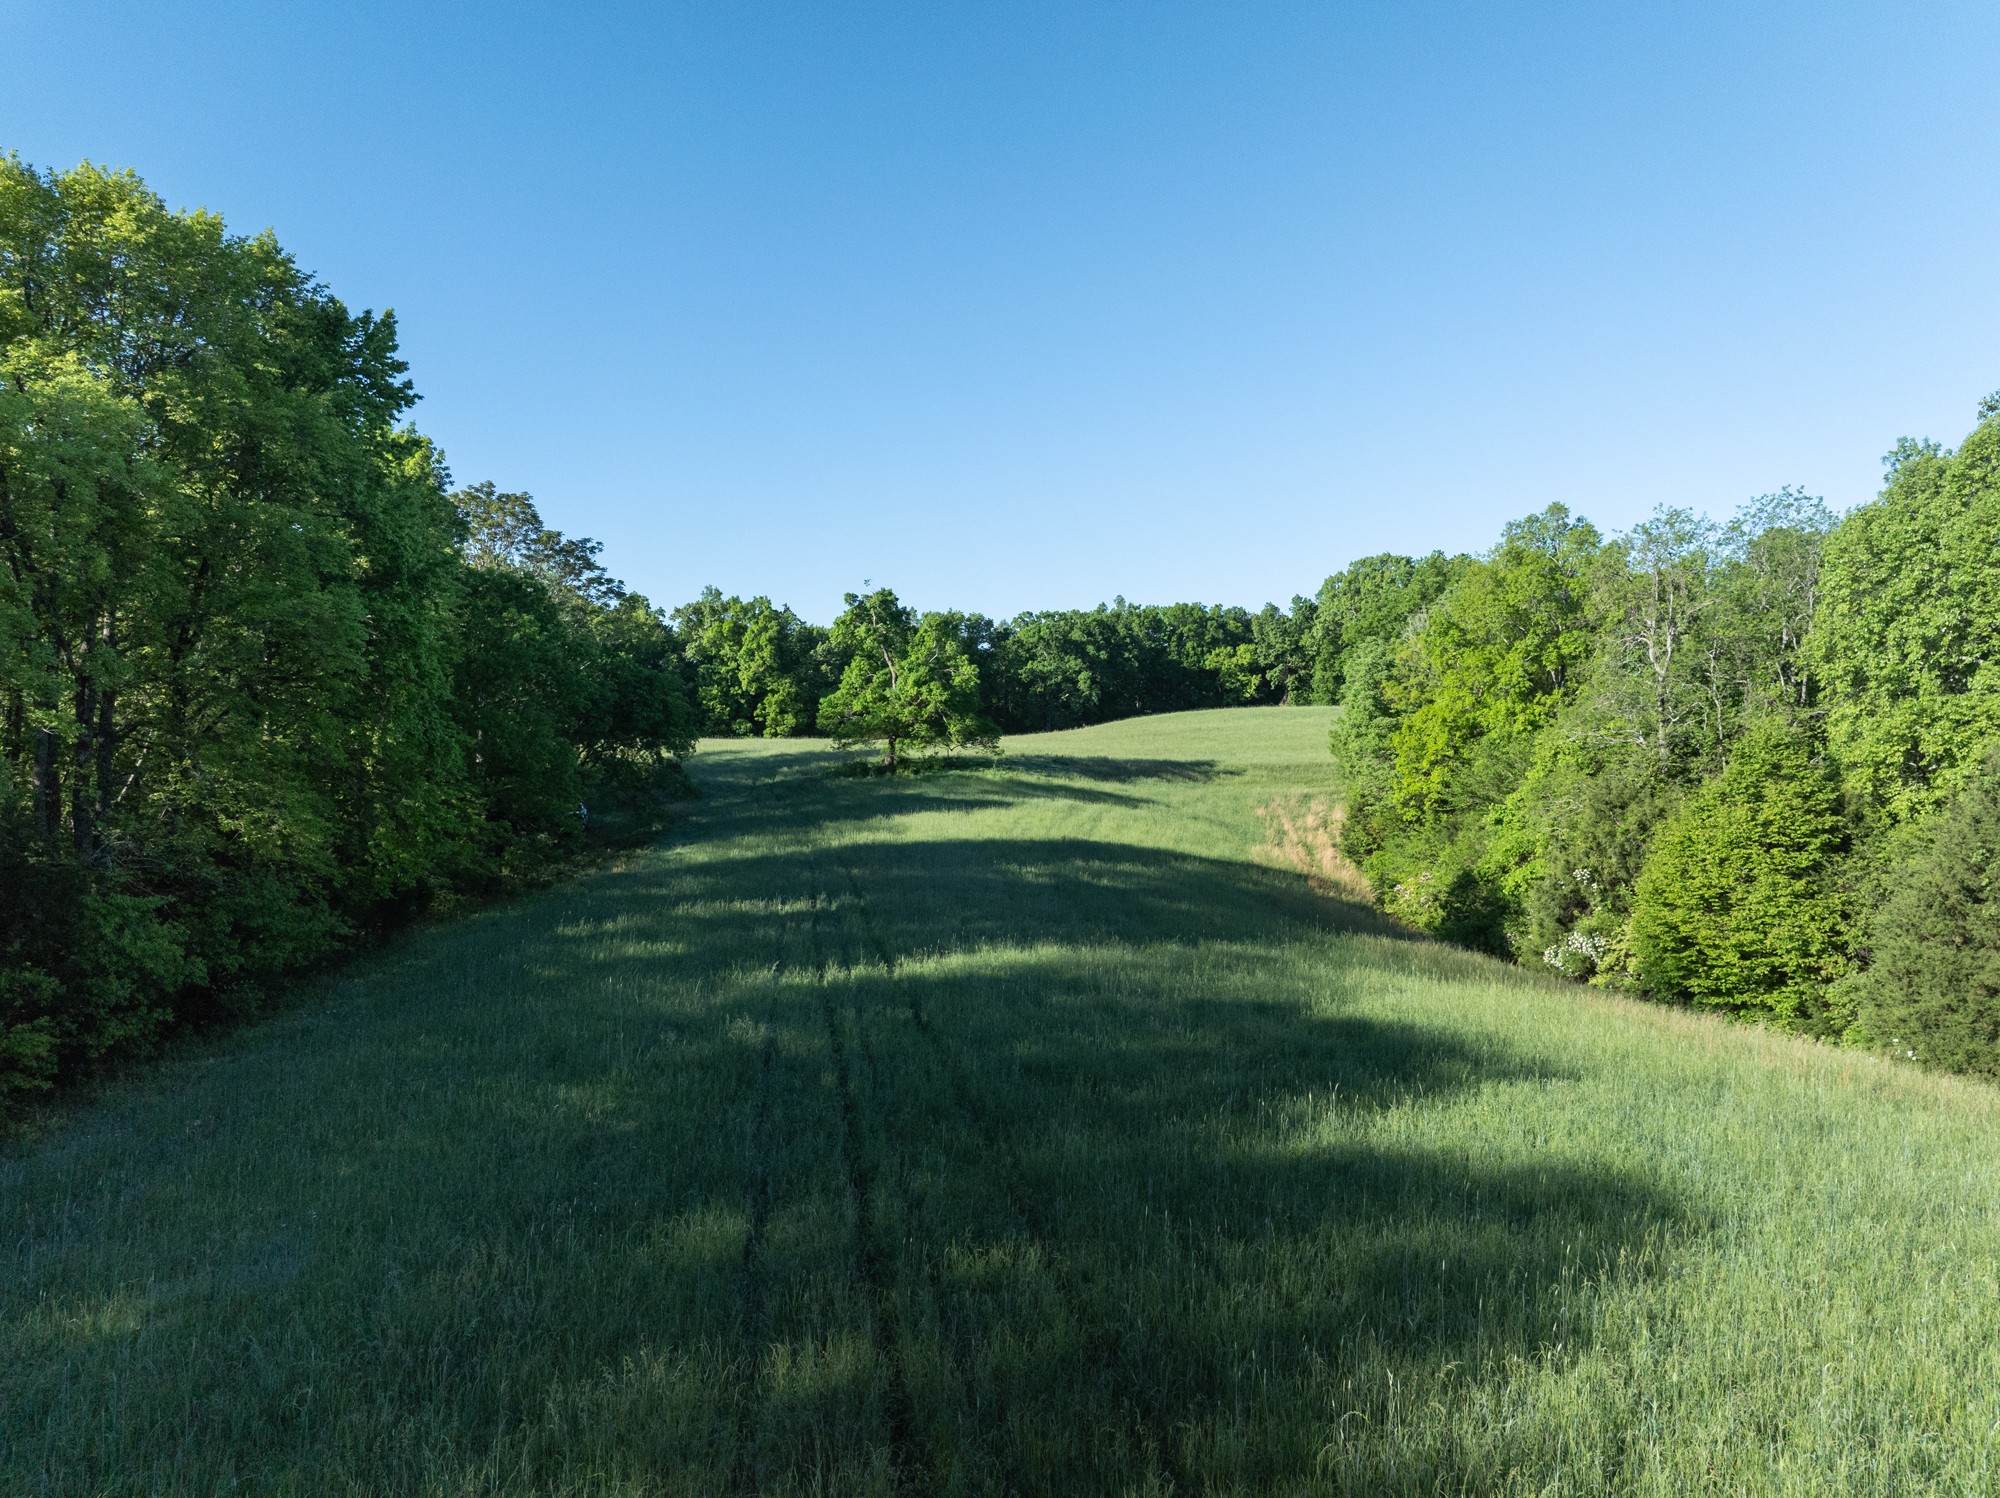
(1053, 1127)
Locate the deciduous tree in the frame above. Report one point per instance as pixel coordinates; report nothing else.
(908, 683)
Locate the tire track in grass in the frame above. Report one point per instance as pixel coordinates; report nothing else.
(759, 1284)
(949, 1306)
(1144, 1402)
(867, 1250)
(755, 1318)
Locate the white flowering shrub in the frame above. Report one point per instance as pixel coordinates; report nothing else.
(1577, 955)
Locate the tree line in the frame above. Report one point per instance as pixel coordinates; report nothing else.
(267, 684)
(270, 685)
(757, 668)
(1745, 766)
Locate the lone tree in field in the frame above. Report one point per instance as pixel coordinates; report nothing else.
(909, 682)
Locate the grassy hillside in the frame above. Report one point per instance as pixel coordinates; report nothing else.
(1051, 1128)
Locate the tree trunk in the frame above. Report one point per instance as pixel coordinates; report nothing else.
(48, 787)
(107, 744)
(82, 825)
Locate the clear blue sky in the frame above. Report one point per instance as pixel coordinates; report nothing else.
(1017, 305)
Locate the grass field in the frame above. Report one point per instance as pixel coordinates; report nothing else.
(1055, 1128)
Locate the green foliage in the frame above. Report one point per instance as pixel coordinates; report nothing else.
(1069, 668)
(504, 532)
(1907, 634)
(1741, 904)
(82, 966)
(1441, 704)
(637, 717)
(248, 677)
(1282, 649)
(757, 668)
(568, 683)
(1932, 989)
(1594, 755)
(1066, 669)
(909, 682)
(1654, 598)
(517, 694)
(1770, 589)
(226, 638)
(1368, 607)
(267, 686)
(1511, 757)
(1497, 656)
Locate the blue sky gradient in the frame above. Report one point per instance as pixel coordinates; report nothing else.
(1025, 305)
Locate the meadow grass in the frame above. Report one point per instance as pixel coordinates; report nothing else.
(1058, 1127)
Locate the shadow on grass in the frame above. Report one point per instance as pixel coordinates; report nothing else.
(1128, 1168)
(821, 788)
(1173, 1225)
(1122, 771)
(822, 759)
(955, 894)
(958, 1165)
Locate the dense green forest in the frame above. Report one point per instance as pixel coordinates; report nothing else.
(270, 685)
(266, 684)
(1739, 766)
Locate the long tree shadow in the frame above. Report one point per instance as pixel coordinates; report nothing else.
(1121, 771)
(1164, 1223)
(961, 893)
(817, 798)
(785, 789)
(767, 764)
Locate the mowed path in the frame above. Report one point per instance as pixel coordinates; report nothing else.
(1055, 1128)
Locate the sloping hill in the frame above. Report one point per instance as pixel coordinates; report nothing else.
(1057, 1127)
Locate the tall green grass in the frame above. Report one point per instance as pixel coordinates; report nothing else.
(1033, 1129)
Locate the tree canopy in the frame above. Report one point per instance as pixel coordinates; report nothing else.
(909, 682)
(265, 684)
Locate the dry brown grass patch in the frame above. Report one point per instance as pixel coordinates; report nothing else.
(1303, 833)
